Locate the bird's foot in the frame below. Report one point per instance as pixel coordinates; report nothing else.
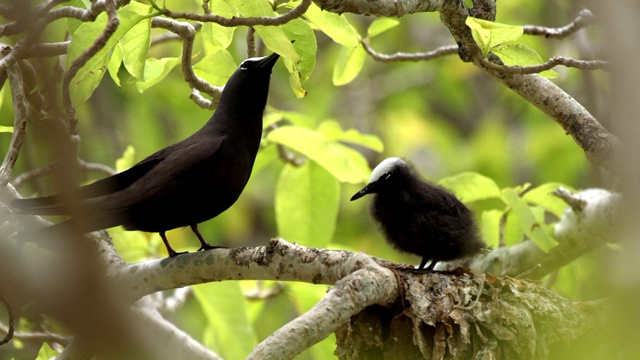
(173, 253)
(207, 246)
(418, 271)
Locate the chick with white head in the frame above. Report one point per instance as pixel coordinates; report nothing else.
(419, 217)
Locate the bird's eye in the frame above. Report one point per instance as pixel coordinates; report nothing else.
(386, 176)
(247, 65)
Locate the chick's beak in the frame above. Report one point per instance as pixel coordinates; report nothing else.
(361, 193)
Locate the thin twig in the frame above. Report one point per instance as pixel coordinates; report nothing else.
(12, 321)
(47, 49)
(45, 170)
(549, 64)
(401, 56)
(19, 124)
(202, 101)
(576, 202)
(584, 19)
(249, 21)
(98, 44)
(187, 33)
(260, 293)
(251, 42)
(165, 37)
(36, 336)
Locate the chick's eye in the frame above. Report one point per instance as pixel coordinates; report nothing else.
(386, 176)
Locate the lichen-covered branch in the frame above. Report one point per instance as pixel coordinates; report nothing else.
(443, 311)
(349, 296)
(391, 8)
(466, 316)
(579, 231)
(277, 261)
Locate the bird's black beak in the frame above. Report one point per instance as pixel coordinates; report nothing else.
(361, 193)
(268, 61)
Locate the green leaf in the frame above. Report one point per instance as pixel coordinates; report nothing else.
(306, 46)
(155, 70)
(306, 203)
(541, 233)
(216, 68)
(332, 130)
(521, 55)
(337, 27)
(380, 25)
(2, 92)
(273, 36)
(135, 46)
(132, 246)
(348, 65)
(346, 164)
(127, 160)
(490, 227)
(470, 186)
(542, 195)
(528, 222)
(89, 76)
(488, 34)
(295, 118)
(114, 65)
(217, 37)
(7, 129)
(46, 352)
(230, 333)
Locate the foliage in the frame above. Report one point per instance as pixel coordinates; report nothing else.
(498, 38)
(452, 122)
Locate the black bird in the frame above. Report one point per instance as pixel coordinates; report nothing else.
(183, 184)
(419, 217)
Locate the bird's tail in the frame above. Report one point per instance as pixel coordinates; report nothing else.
(48, 205)
(58, 237)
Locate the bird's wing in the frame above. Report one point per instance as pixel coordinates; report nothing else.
(165, 175)
(442, 202)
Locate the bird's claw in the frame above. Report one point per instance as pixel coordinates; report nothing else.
(209, 247)
(174, 253)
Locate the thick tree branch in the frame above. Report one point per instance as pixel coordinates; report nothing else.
(352, 294)
(598, 144)
(468, 305)
(391, 8)
(579, 231)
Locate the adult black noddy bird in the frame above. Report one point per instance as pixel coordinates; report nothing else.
(183, 184)
(419, 217)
